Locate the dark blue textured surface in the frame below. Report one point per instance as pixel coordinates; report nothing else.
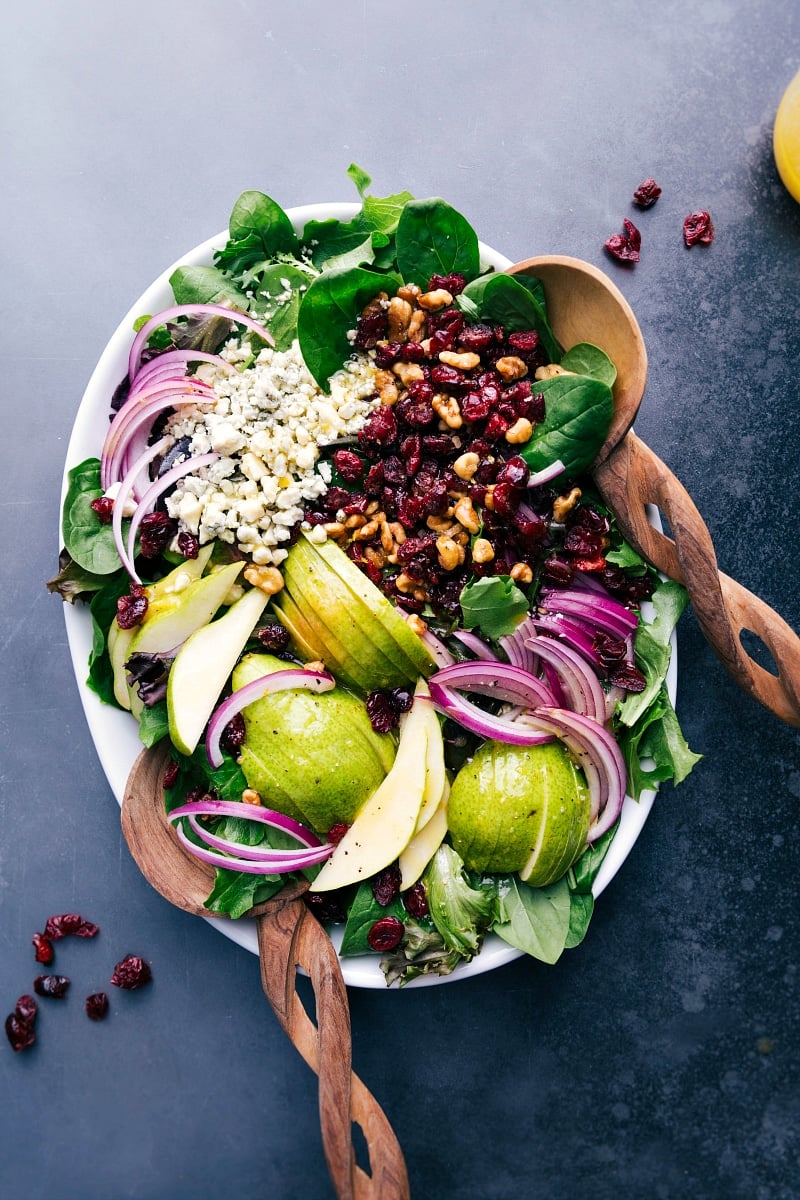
(659, 1059)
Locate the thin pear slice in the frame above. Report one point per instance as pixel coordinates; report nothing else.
(385, 825)
(435, 773)
(202, 666)
(423, 845)
(167, 629)
(161, 594)
(289, 616)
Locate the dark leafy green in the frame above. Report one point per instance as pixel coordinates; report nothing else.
(461, 910)
(89, 543)
(362, 914)
(235, 893)
(578, 412)
(503, 298)
(421, 952)
(103, 609)
(434, 239)
(206, 285)
(329, 309)
(534, 920)
(585, 359)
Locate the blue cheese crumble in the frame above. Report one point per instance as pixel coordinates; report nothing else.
(267, 424)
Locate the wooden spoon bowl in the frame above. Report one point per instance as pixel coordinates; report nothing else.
(585, 306)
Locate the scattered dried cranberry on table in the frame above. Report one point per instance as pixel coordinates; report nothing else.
(43, 947)
(54, 986)
(698, 228)
(625, 247)
(19, 1025)
(96, 1006)
(646, 193)
(69, 925)
(131, 972)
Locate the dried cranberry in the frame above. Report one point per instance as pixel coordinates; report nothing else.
(591, 564)
(582, 542)
(416, 900)
(418, 414)
(698, 227)
(234, 733)
(349, 465)
(394, 472)
(531, 529)
(413, 352)
(444, 376)
(625, 247)
(155, 533)
(103, 506)
(188, 544)
(170, 777)
(450, 320)
(496, 427)
(386, 934)
(409, 509)
(628, 677)
(96, 1006)
(590, 518)
(69, 924)
(505, 499)
(374, 480)
(388, 353)
(25, 1009)
(131, 972)
(21, 1034)
(476, 406)
(44, 949)
(386, 885)
(132, 609)
(401, 699)
(646, 193)
(524, 342)
(437, 444)
(336, 498)
(337, 832)
(54, 986)
(273, 636)
(380, 427)
(453, 283)
(609, 650)
(436, 500)
(381, 712)
(514, 471)
(371, 326)
(558, 570)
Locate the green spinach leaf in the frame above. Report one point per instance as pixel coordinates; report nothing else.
(364, 911)
(535, 920)
(503, 298)
(259, 216)
(584, 871)
(88, 542)
(329, 309)
(585, 359)
(206, 285)
(103, 609)
(235, 893)
(494, 604)
(581, 907)
(578, 413)
(433, 238)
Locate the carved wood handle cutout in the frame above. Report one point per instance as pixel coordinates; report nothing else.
(632, 477)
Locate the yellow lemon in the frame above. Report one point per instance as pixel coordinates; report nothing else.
(786, 137)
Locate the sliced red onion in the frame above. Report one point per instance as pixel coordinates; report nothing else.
(189, 310)
(501, 728)
(122, 496)
(516, 649)
(600, 757)
(476, 645)
(249, 812)
(547, 474)
(273, 866)
(140, 415)
(603, 612)
(277, 681)
(579, 683)
(161, 485)
(171, 359)
(571, 630)
(439, 652)
(260, 853)
(501, 681)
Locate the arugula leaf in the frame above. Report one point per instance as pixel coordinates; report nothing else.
(652, 648)
(434, 239)
(515, 305)
(494, 604)
(655, 749)
(153, 723)
(329, 309)
(535, 920)
(103, 609)
(585, 870)
(578, 412)
(89, 543)
(585, 359)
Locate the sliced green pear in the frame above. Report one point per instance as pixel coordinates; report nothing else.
(202, 666)
(384, 826)
(314, 757)
(340, 627)
(161, 594)
(377, 619)
(423, 845)
(435, 773)
(290, 617)
(167, 627)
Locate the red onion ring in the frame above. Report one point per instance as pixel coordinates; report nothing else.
(188, 310)
(162, 485)
(276, 681)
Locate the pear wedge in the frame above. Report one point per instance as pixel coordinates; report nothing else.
(384, 826)
(168, 626)
(202, 666)
(161, 595)
(423, 845)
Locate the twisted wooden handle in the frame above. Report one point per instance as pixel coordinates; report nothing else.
(633, 476)
(290, 936)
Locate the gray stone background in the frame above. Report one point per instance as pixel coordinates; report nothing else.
(660, 1058)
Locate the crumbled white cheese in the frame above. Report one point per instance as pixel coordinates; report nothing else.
(267, 423)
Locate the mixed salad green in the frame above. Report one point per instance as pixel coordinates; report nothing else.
(298, 681)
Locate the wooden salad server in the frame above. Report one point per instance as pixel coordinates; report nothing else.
(289, 936)
(584, 305)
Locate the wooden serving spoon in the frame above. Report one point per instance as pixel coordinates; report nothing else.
(583, 305)
(288, 936)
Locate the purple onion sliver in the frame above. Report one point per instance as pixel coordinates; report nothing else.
(230, 863)
(275, 681)
(162, 485)
(188, 310)
(302, 857)
(248, 812)
(475, 644)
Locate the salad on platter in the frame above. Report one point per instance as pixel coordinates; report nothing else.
(343, 554)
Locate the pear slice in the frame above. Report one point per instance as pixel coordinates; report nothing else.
(161, 595)
(435, 773)
(292, 620)
(341, 627)
(168, 626)
(424, 844)
(202, 666)
(384, 826)
(378, 621)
